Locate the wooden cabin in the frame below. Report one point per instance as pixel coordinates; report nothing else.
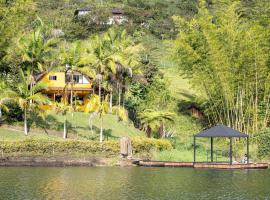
(60, 85)
(81, 12)
(195, 111)
(117, 17)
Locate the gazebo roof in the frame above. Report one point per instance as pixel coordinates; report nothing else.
(220, 131)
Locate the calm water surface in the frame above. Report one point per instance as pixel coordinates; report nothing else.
(134, 183)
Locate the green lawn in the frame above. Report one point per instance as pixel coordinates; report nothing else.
(78, 124)
(11, 135)
(179, 86)
(185, 125)
(113, 129)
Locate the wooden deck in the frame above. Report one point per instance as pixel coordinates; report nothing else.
(233, 166)
(202, 165)
(164, 164)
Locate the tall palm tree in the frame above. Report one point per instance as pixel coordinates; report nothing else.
(128, 63)
(116, 59)
(95, 105)
(75, 58)
(153, 120)
(105, 57)
(63, 108)
(29, 97)
(38, 49)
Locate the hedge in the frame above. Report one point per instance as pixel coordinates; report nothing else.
(73, 146)
(142, 144)
(263, 142)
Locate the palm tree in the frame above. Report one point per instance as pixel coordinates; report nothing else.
(29, 97)
(37, 49)
(75, 58)
(116, 60)
(128, 63)
(105, 58)
(95, 105)
(153, 120)
(63, 108)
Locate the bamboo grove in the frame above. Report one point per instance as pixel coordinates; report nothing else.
(225, 56)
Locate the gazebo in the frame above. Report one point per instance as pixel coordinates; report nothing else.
(221, 131)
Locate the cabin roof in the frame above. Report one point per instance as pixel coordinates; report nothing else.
(220, 131)
(193, 105)
(117, 11)
(81, 9)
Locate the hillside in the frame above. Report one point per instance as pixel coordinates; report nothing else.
(78, 128)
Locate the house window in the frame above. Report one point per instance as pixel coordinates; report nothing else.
(77, 79)
(53, 78)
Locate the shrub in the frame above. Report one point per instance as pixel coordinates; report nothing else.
(263, 142)
(142, 144)
(14, 114)
(72, 146)
(51, 147)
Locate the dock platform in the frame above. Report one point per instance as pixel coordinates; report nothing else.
(202, 165)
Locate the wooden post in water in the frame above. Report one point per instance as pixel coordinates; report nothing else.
(194, 150)
(211, 149)
(247, 149)
(230, 151)
(125, 147)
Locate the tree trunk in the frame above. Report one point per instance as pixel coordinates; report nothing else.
(31, 84)
(71, 89)
(148, 131)
(25, 123)
(99, 89)
(119, 96)
(101, 131)
(161, 130)
(90, 124)
(111, 96)
(65, 129)
(123, 97)
(0, 113)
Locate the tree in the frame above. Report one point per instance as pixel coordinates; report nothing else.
(27, 97)
(6, 95)
(74, 58)
(14, 16)
(38, 49)
(63, 108)
(104, 58)
(153, 120)
(225, 57)
(129, 67)
(117, 61)
(95, 105)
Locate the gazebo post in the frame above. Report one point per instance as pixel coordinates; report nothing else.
(248, 149)
(194, 149)
(211, 149)
(230, 150)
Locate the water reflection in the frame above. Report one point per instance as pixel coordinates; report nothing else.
(109, 183)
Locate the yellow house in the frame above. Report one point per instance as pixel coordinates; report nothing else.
(61, 86)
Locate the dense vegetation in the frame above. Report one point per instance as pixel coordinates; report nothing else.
(149, 70)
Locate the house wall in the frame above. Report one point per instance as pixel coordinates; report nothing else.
(60, 81)
(59, 84)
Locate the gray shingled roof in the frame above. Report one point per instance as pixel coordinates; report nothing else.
(220, 131)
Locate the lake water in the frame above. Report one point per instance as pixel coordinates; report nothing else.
(132, 183)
